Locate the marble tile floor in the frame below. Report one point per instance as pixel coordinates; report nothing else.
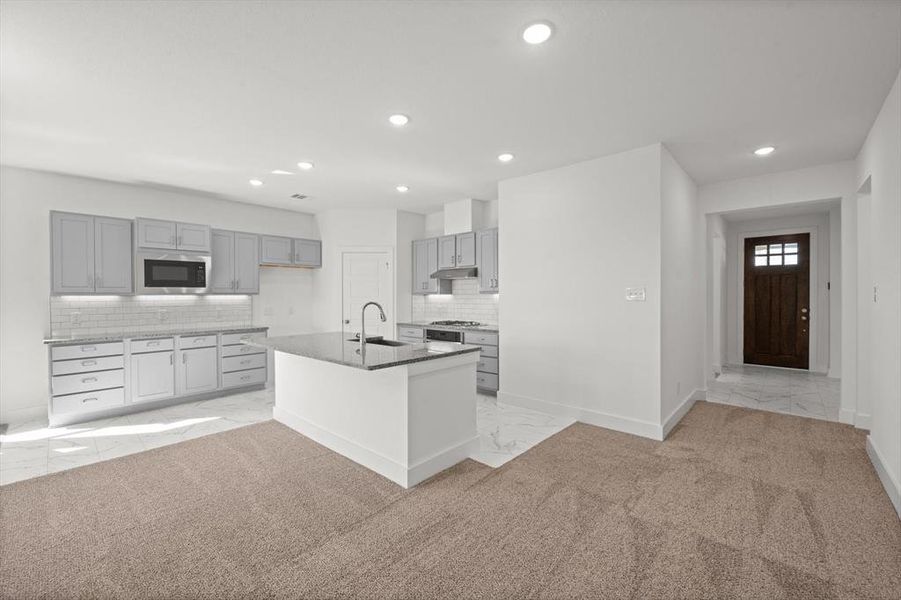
(33, 449)
(784, 391)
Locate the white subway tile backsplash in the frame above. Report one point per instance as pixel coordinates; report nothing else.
(465, 303)
(113, 314)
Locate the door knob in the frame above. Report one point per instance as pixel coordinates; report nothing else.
(347, 321)
(803, 310)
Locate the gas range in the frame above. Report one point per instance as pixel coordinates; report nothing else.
(456, 323)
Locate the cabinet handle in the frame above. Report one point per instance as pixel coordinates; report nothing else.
(90, 281)
(245, 362)
(179, 240)
(200, 339)
(88, 363)
(184, 359)
(88, 379)
(245, 377)
(459, 258)
(237, 283)
(170, 359)
(88, 348)
(91, 399)
(153, 343)
(171, 239)
(246, 349)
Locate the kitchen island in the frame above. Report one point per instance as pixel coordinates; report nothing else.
(406, 411)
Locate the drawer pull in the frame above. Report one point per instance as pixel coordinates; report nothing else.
(88, 379)
(153, 343)
(246, 349)
(245, 377)
(91, 399)
(88, 363)
(200, 339)
(88, 348)
(245, 362)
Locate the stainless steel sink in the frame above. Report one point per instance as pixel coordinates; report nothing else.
(379, 341)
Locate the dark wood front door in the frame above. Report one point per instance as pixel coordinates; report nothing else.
(777, 292)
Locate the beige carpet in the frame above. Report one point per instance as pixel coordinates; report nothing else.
(735, 504)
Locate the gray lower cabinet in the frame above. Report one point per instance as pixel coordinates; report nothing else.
(90, 254)
(152, 375)
(486, 250)
(235, 262)
(242, 364)
(198, 371)
(487, 370)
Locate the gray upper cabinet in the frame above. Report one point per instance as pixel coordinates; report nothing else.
(447, 252)
(308, 253)
(156, 234)
(72, 241)
(247, 263)
(169, 235)
(222, 262)
(466, 249)
(90, 254)
(112, 256)
(195, 238)
(425, 262)
(235, 264)
(276, 250)
(486, 247)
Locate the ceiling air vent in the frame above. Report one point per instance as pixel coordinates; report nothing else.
(299, 196)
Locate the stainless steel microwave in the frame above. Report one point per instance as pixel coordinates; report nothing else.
(163, 272)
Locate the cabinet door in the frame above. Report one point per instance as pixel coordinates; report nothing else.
(431, 265)
(466, 249)
(447, 252)
(276, 250)
(199, 371)
(112, 256)
(247, 263)
(495, 254)
(308, 253)
(222, 262)
(156, 234)
(420, 265)
(192, 237)
(72, 241)
(487, 260)
(152, 376)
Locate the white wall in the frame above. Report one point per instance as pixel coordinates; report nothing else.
(682, 243)
(410, 227)
(880, 162)
(570, 342)
(818, 225)
(27, 197)
(716, 295)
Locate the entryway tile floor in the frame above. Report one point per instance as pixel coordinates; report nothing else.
(777, 390)
(32, 449)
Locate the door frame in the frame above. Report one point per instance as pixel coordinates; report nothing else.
(389, 310)
(812, 290)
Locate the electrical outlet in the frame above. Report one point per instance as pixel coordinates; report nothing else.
(75, 318)
(636, 294)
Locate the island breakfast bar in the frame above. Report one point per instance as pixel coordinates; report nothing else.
(406, 412)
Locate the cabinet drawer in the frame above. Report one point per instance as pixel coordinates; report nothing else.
(89, 401)
(230, 339)
(241, 350)
(410, 332)
(489, 351)
(410, 340)
(486, 381)
(85, 382)
(86, 365)
(251, 377)
(197, 341)
(478, 338)
(241, 363)
(487, 365)
(138, 346)
(86, 350)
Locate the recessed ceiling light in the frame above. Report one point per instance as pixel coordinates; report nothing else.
(255, 182)
(280, 172)
(538, 33)
(766, 150)
(399, 120)
(306, 166)
(505, 157)
(402, 189)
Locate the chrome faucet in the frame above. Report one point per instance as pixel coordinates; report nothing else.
(363, 323)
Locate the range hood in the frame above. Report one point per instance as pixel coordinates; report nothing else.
(458, 273)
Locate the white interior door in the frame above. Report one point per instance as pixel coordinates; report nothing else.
(366, 276)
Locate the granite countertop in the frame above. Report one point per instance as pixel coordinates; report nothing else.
(483, 327)
(97, 338)
(335, 348)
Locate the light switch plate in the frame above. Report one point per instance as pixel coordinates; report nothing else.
(636, 294)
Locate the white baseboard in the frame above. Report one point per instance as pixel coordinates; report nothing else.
(862, 421)
(401, 475)
(892, 487)
(584, 415)
(846, 416)
(833, 374)
(673, 419)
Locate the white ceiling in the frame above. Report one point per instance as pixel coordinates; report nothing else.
(205, 96)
